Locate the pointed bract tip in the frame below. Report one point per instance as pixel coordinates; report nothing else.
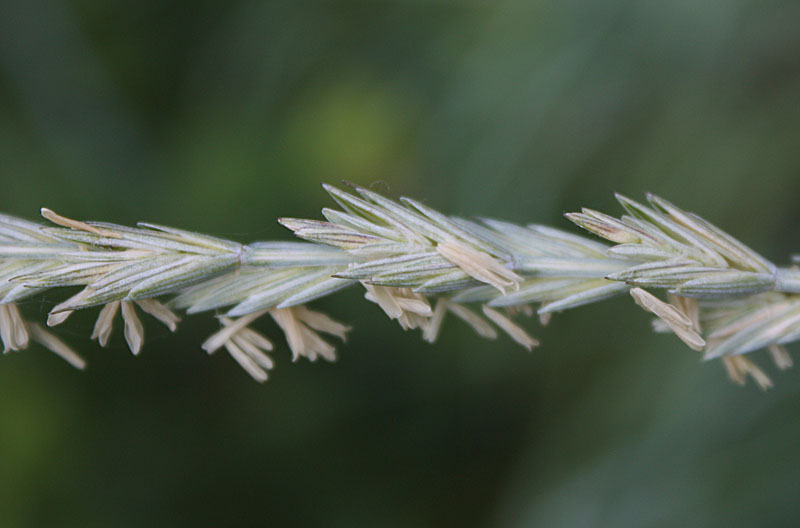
(659, 202)
(292, 224)
(621, 198)
(409, 201)
(351, 184)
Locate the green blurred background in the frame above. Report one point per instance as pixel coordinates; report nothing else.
(221, 116)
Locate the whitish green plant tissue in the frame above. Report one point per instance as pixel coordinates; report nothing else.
(418, 265)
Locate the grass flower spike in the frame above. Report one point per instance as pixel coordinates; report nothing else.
(418, 265)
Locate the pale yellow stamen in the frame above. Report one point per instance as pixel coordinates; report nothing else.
(739, 366)
(316, 346)
(160, 312)
(252, 350)
(20, 331)
(733, 371)
(431, 332)
(780, 355)
(480, 325)
(322, 323)
(382, 296)
(13, 332)
(254, 337)
(677, 321)
(291, 329)
(134, 331)
(55, 345)
(105, 323)
(302, 339)
(410, 309)
(688, 307)
(218, 339)
(417, 306)
(478, 265)
(246, 362)
(76, 224)
(508, 326)
(244, 345)
(66, 307)
(56, 318)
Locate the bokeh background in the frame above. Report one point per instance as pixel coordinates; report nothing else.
(221, 116)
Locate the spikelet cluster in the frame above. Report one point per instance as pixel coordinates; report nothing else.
(417, 265)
